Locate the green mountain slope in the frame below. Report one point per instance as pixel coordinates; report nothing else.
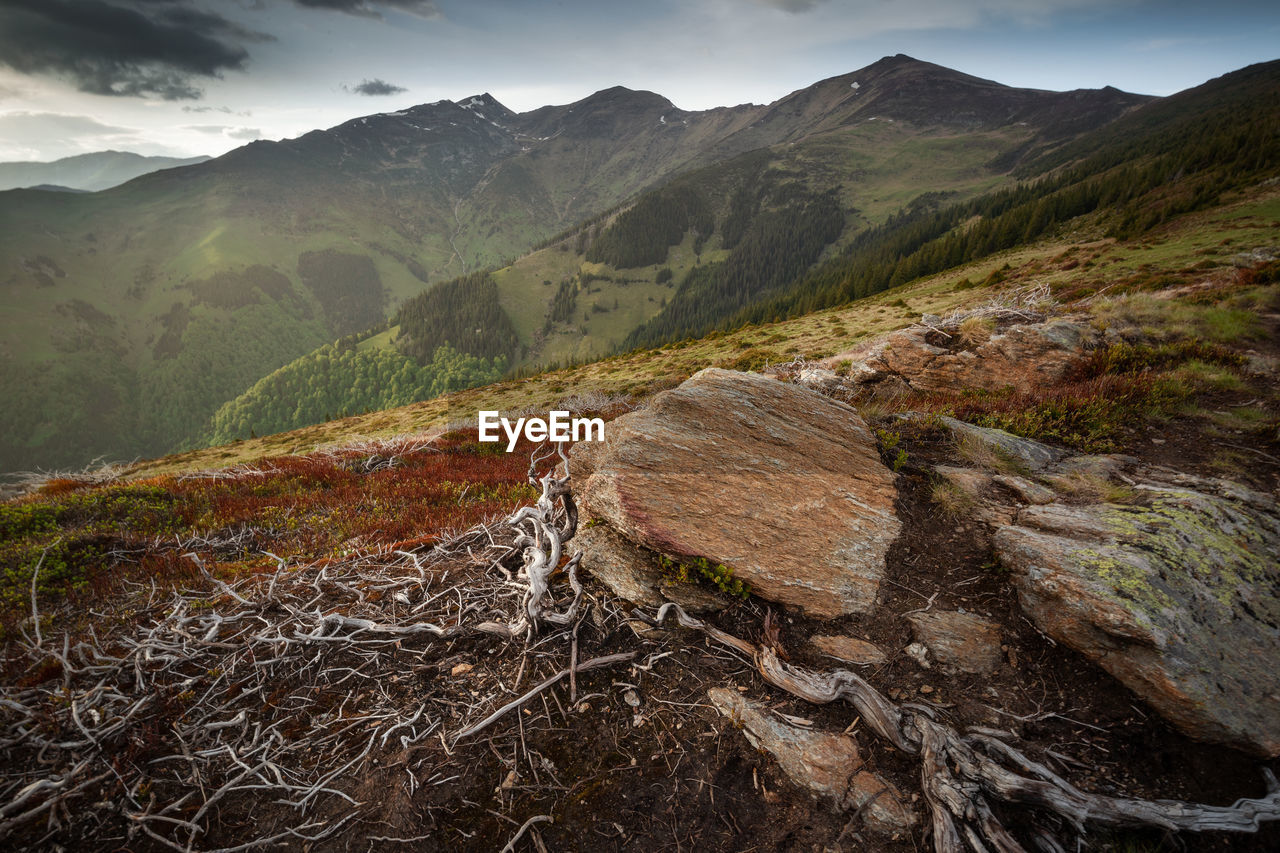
(1167, 158)
(134, 313)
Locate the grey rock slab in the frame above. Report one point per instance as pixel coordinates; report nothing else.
(961, 641)
(1033, 454)
(1026, 490)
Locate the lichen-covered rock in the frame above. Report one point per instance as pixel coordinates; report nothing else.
(849, 649)
(1178, 597)
(1103, 467)
(779, 483)
(958, 641)
(828, 765)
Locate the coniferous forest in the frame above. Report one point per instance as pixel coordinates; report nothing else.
(452, 336)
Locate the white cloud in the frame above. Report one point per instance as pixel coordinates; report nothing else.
(49, 136)
(226, 131)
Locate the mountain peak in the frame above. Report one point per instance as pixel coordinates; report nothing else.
(482, 100)
(902, 66)
(633, 98)
(486, 106)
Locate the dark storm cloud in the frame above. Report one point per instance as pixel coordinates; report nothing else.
(376, 87)
(122, 47)
(369, 8)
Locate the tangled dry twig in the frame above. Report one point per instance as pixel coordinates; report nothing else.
(1027, 304)
(288, 684)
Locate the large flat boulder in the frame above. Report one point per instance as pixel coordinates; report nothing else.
(780, 483)
(1177, 596)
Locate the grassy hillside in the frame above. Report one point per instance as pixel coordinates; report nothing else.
(1185, 257)
(584, 295)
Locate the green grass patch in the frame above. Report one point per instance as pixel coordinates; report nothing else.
(1172, 319)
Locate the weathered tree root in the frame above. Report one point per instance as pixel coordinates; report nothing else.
(962, 775)
(542, 544)
(284, 686)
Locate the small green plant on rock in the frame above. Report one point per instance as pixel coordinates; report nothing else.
(718, 574)
(896, 457)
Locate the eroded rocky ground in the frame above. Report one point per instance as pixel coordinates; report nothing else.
(1102, 600)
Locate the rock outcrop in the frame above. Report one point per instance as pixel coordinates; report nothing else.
(823, 763)
(1175, 596)
(779, 483)
(1023, 356)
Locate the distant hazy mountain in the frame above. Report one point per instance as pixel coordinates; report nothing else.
(89, 172)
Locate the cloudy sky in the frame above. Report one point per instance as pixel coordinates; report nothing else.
(184, 77)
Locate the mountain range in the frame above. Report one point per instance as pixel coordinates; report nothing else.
(100, 170)
(135, 316)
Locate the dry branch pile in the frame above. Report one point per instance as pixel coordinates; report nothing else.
(1030, 304)
(281, 688)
